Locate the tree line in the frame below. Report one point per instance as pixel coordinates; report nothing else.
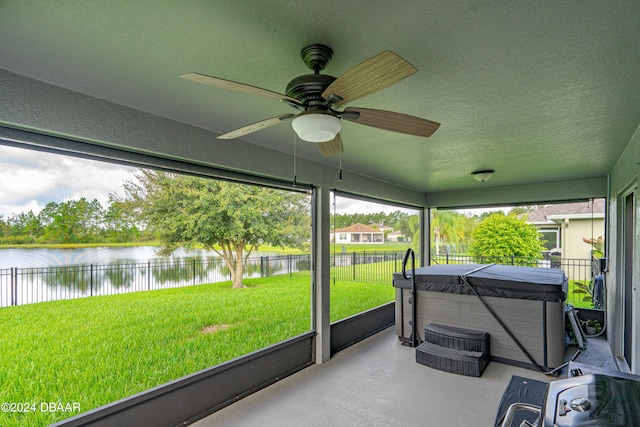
(181, 211)
(177, 211)
(73, 221)
(492, 233)
(451, 231)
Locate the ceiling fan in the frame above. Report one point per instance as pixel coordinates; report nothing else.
(318, 97)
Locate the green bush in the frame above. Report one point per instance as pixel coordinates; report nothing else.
(500, 235)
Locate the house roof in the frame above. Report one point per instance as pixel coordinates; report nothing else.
(594, 207)
(357, 228)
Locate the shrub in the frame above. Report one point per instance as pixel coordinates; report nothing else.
(500, 235)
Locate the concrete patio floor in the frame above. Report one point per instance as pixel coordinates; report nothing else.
(376, 382)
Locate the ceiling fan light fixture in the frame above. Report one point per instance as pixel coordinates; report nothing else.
(316, 127)
(482, 175)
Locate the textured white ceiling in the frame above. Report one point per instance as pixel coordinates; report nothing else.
(539, 91)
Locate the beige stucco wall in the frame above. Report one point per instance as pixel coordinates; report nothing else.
(573, 230)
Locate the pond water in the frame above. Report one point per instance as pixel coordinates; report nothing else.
(39, 275)
(39, 257)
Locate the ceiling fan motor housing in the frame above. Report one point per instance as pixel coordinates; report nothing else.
(309, 87)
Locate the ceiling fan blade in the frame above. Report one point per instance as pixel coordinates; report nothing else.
(239, 87)
(372, 75)
(254, 127)
(388, 120)
(331, 148)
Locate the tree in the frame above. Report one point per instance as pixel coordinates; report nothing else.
(500, 235)
(73, 221)
(229, 218)
(118, 223)
(448, 227)
(24, 228)
(522, 210)
(345, 220)
(406, 224)
(413, 224)
(5, 229)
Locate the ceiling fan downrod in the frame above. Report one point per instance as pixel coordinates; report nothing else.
(316, 56)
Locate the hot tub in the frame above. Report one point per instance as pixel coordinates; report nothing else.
(517, 306)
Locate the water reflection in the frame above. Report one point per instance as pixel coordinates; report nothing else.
(119, 274)
(37, 284)
(43, 257)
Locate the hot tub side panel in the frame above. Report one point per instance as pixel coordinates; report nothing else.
(555, 315)
(538, 325)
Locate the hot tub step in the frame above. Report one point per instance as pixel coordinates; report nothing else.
(461, 362)
(457, 338)
(456, 350)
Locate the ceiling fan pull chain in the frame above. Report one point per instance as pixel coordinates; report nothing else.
(294, 160)
(340, 174)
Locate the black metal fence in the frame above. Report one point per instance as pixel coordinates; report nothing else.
(20, 286)
(366, 266)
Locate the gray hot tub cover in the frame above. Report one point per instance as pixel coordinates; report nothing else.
(492, 280)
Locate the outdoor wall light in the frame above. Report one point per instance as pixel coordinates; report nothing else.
(483, 175)
(316, 127)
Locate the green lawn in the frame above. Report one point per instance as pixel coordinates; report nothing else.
(371, 247)
(378, 272)
(93, 351)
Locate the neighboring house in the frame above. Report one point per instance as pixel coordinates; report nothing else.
(389, 234)
(566, 225)
(357, 233)
(397, 236)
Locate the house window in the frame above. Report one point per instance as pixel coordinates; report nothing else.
(343, 237)
(550, 238)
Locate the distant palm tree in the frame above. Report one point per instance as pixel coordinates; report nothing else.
(449, 227)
